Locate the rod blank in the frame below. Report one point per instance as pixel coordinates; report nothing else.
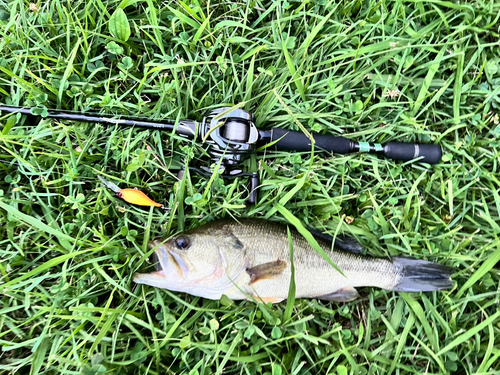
(185, 127)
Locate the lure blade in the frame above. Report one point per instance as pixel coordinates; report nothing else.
(136, 197)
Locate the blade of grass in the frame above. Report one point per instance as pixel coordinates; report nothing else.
(457, 89)
(487, 265)
(304, 232)
(428, 79)
(45, 266)
(419, 312)
(291, 292)
(36, 223)
(469, 333)
(235, 342)
(67, 72)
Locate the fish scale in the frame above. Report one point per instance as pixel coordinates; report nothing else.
(268, 241)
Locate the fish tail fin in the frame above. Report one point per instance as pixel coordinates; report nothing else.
(421, 275)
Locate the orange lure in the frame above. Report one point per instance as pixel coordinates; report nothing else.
(132, 196)
(136, 197)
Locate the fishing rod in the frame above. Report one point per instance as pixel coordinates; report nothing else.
(231, 136)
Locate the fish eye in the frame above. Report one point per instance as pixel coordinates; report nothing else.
(182, 243)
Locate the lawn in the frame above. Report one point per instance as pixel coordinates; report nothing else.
(411, 70)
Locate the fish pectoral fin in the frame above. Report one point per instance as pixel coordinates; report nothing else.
(342, 295)
(266, 271)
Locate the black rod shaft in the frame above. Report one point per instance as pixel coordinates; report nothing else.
(185, 127)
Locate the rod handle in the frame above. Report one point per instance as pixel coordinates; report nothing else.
(291, 140)
(430, 154)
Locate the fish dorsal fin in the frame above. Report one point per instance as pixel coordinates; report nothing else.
(342, 242)
(266, 271)
(349, 244)
(342, 295)
(319, 234)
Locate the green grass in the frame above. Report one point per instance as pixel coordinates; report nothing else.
(68, 247)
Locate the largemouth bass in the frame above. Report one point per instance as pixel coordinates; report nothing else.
(250, 259)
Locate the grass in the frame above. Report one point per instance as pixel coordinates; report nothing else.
(414, 71)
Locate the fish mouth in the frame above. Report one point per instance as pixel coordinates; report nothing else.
(154, 278)
(162, 253)
(156, 262)
(157, 277)
(155, 244)
(155, 257)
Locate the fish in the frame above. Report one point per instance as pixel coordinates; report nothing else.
(249, 259)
